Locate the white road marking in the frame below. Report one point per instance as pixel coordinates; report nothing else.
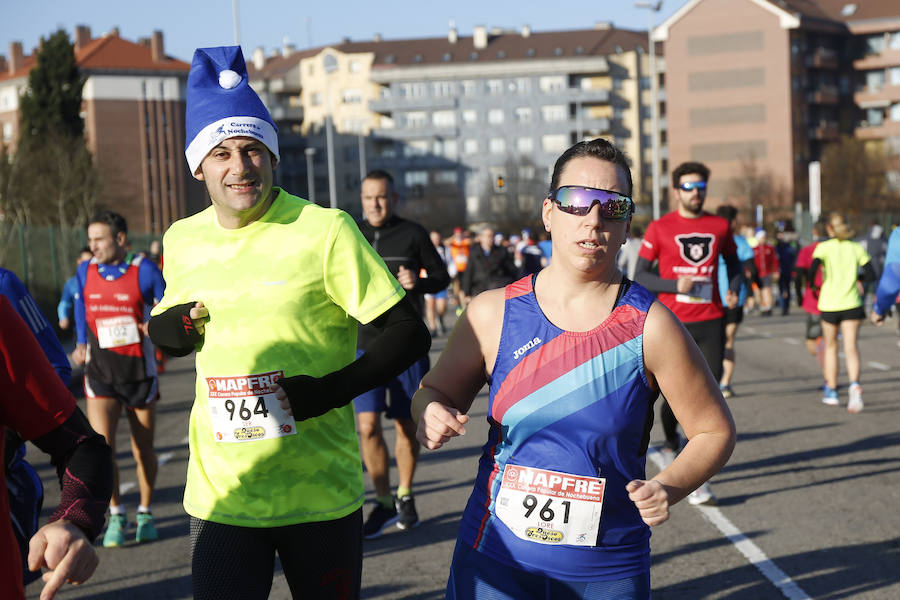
(751, 551)
(879, 366)
(791, 341)
(163, 458)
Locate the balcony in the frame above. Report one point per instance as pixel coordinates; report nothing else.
(580, 95)
(390, 104)
(287, 113)
(403, 133)
(825, 130)
(822, 58)
(823, 94)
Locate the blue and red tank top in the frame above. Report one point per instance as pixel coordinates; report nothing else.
(570, 412)
(119, 352)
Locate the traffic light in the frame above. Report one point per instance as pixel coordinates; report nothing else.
(500, 184)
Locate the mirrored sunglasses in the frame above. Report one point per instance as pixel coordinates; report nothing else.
(690, 186)
(576, 200)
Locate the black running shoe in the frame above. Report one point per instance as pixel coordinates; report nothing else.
(408, 517)
(379, 518)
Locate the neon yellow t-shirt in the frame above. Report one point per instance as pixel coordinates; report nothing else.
(841, 260)
(284, 295)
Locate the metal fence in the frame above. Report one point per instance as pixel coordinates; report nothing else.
(44, 258)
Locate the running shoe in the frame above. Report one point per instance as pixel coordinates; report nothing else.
(406, 509)
(115, 531)
(146, 530)
(831, 397)
(702, 495)
(855, 404)
(727, 392)
(379, 518)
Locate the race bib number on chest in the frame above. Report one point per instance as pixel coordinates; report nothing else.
(549, 507)
(243, 408)
(113, 332)
(701, 293)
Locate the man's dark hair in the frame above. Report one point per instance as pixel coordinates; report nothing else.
(115, 221)
(380, 174)
(728, 212)
(689, 168)
(596, 148)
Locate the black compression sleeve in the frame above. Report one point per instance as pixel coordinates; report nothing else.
(173, 331)
(83, 462)
(735, 272)
(868, 274)
(402, 340)
(813, 269)
(651, 281)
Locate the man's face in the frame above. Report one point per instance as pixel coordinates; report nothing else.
(690, 202)
(378, 201)
(238, 176)
(106, 248)
(486, 238)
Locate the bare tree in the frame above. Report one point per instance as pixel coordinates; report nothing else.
(752, 185)
(854, 177)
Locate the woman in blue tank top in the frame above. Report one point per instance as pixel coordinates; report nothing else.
(575, 357)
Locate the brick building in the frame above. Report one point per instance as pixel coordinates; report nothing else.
(133, 110)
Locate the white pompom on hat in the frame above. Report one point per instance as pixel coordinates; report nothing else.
(221, 105)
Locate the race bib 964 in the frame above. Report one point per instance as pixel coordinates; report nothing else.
(243, 408)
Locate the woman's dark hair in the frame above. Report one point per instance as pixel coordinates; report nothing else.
(596, 148)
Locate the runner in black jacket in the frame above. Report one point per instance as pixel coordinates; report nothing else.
(412, 258)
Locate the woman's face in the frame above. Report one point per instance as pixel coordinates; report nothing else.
(587, 243)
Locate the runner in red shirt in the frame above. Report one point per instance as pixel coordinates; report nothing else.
(686, 244)
(808, 301)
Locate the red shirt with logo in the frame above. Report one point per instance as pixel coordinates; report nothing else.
(766, 260)
(690, 247)
(804, 261)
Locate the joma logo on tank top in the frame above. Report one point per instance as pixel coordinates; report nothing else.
(521, 351)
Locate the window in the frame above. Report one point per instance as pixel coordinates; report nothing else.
(446, 176)
(412, 90)
(525, 145)
(353, 125)
(443, 89)
(495, 86)
(552, 83)
(497, 145)
(444, 118)
(7, 132)
(351, 96)
(895, 40)
(894, 112)
(554, 113)
(523, 114)
(446, 148)
(413, 178)
(470, 115)
(316, 99)
(875, 117)
(894, 75)
(555, 143)
(415, 148)
(469, 88)
(470, 147)
(355, 65)
(526, 172)
(874, 80)
(874, 44)
(523, 85)
(416, 119)
(495, 116)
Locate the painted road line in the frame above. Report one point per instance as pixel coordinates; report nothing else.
(878, 365)
(791, 341)
(751, 551)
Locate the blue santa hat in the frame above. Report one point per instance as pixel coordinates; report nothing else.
(221, 104)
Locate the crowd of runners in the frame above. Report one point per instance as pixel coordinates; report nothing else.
(307, 327)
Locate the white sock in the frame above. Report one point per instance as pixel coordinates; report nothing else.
(143, 509)
(118, 509)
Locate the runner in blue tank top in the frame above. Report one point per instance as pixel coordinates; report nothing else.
(574, 357)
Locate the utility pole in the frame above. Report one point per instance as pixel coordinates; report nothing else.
(653, 7)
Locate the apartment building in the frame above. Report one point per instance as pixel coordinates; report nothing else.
(133, 110)
(469, 125)
(757, 88)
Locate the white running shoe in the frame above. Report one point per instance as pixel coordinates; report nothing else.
(855, 404)
(702, 495)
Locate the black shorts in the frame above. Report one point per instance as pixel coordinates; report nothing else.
(813, 327)
(734, 315)
(852, 314)
(136, 394)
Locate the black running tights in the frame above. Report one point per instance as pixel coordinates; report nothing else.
(320, 560)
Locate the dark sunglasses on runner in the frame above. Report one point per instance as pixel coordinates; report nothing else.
(690, 186)
(577, 200)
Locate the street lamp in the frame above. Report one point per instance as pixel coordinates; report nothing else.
(329, 64)
(654, 102)
(310, 176)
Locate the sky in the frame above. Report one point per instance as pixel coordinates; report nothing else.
(189, 24)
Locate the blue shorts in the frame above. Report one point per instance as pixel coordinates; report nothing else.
(441, 295)
(475, 576)
(402, 389)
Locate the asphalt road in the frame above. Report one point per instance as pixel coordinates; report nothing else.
(807, 504)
